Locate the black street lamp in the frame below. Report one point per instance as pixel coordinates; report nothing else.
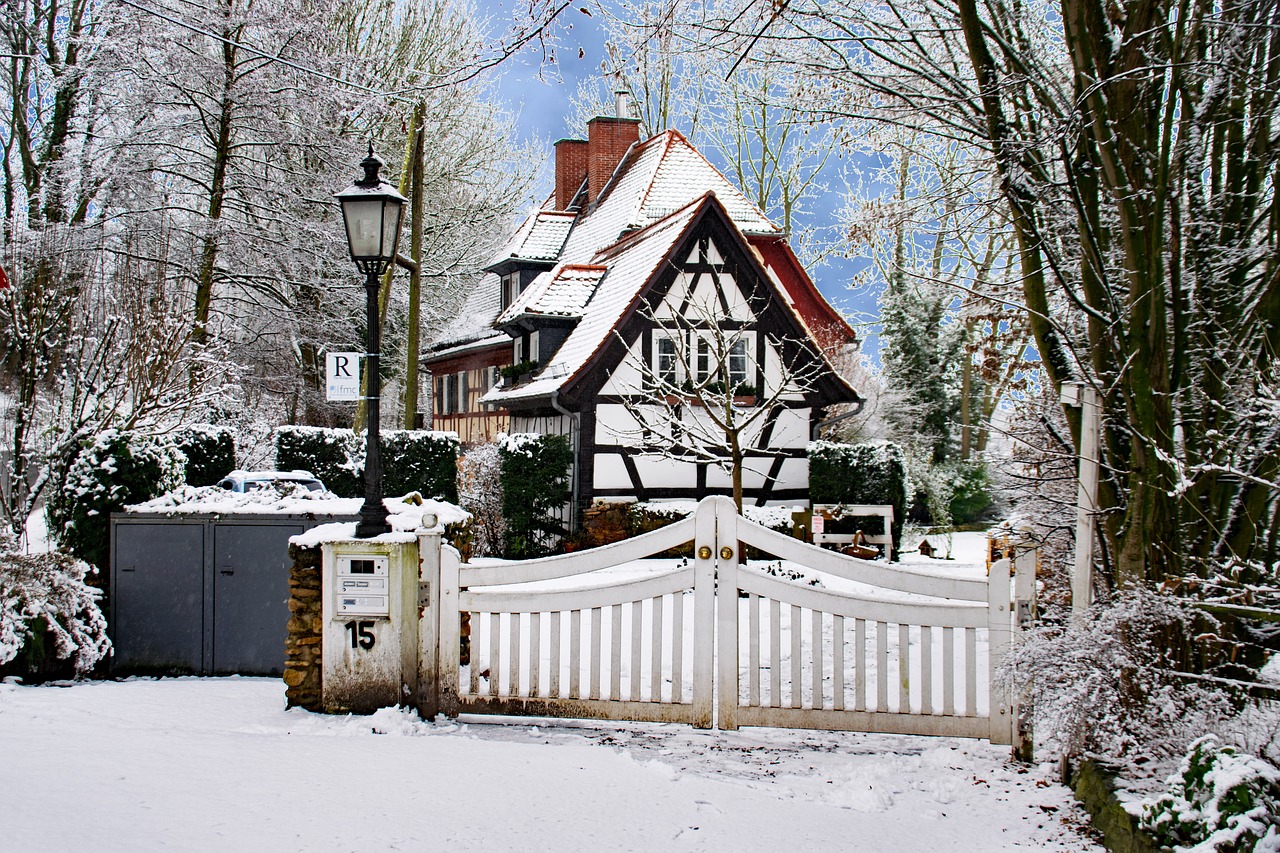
(371, 210)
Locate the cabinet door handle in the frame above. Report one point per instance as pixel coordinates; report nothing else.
(228, 572)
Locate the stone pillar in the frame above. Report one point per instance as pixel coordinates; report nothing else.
(303, 665)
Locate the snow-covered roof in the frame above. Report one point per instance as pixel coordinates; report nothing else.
(560, 292)
(631, 262)
(474, 321)
(539, 238)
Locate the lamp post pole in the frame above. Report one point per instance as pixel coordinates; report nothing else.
(373, 514)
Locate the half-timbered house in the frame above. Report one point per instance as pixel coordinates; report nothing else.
(641, 242)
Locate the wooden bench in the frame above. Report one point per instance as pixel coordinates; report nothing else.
(822, 513)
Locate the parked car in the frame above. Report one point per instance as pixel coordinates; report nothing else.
(248, 481)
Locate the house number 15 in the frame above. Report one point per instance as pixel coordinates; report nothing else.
(361, 634)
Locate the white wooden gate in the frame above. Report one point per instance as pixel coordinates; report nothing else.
(899, 650)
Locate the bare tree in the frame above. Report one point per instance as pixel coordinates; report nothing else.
(699, 401)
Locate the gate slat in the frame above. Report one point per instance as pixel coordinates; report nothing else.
(753, 646)
(904, 668)
(513, 677)
(797, 679)
(971, 672)
(596, 654)
(860, 665)
(535, 654)
(882, 666)
(495, 651)
(474, 666)
(655, 650)
(949, 671)
(677, 647)
(775, 653)
(553, 689)
(637, 635)
(816, 673)
(575, 654)
(926, 669)
(615, 652)
(837, 662)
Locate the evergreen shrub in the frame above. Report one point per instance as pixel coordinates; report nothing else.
(113, 470)
(872, 473)
(971, 492)
(535, 488)
(210, 452)
(421, 461)
(336, 456)
(1218, 800)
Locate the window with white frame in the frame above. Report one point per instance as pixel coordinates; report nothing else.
(666, 362)
(738, 362)
(510, 288)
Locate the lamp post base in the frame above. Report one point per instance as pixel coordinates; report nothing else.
(373, 520)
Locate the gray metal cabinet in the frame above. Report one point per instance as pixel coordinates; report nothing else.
(201, 594)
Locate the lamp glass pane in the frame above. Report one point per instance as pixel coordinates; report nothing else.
(364, 226)
(391, 224)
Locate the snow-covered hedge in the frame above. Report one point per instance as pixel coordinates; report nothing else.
(535, 488)
(420, 461)
(336, 456)
(47, 611)
(1108, 684)
(480, 493)
(1219, 801)
(872, 473)
(114, 469)
(210, 452)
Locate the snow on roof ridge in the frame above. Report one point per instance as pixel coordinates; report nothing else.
(653, 176)
(648, 229)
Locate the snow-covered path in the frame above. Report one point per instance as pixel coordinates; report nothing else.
(218, 764)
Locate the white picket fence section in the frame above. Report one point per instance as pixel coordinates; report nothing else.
(909, 652)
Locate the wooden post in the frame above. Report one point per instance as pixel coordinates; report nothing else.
(450, 622)
(1024, 614)
(999, 633)
(726, 556)
(429, 621)
(1087, 398)
(704, 613)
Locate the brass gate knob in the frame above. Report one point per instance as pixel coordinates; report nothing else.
(726, 553)
(704, 553)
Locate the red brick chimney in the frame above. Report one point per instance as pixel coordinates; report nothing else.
(608, 138)
(571, 168)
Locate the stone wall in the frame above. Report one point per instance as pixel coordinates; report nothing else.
(304, 661)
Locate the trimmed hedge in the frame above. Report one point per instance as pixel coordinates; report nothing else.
(420, 461)
(535, 488)
(873, 473)
(336, 456)
(210, 452)
(109, 472)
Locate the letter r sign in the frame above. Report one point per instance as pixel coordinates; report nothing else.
(342, 374)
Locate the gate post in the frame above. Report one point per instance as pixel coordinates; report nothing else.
(1024, 613)
(999, 634)
(449, 622)
(727, 552)
(704, 613)
(429, 621)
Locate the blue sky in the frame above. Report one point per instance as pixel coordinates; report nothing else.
(541, 94)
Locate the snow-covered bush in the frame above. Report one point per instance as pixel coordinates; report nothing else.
(210, 452)
(535, 489)
(422, 461)
(114, 469)
(480, 492)
(336, 456)
(47, 611)
(1219, 801)
(872, 473)
(1109, 685)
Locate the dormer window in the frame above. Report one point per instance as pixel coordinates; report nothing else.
(510, 289)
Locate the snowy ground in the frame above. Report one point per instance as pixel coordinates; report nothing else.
(218, 764)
